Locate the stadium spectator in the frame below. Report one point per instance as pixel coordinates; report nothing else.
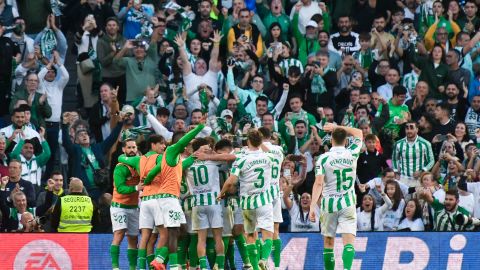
(13, 182)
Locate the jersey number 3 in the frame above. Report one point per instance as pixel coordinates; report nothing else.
(259, 177)
(343, 178)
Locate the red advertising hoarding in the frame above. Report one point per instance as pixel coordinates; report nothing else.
(43, 251)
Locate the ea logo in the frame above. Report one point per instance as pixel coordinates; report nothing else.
(42, 255)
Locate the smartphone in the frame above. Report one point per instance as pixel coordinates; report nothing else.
(442, 137)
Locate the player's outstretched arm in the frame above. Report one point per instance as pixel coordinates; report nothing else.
(130, 161)
(228, 187)
(215, 156)
(355, 132)
(317, 191)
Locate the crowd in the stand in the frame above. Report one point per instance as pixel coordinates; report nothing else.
(405, 72)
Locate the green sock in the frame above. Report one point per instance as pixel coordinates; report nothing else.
(266, 249)
(142, 258)
(173, 260)
(328, 259)
(277, 250)
(242, 248)
(259, 243)
(231, 255)
(114, 254)
(192, 251)
(182, 251)
(347, 256)
(211, 254)
(132, 258)
(150, 259)
(161, 254)
(252, 254)
(203, 262)
(220, 261)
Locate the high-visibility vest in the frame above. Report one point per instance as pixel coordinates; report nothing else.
(76, 214)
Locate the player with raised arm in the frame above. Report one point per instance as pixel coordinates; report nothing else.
(204, 184)
(253, 170)
(124, 207)
(168, 175)
(335, 176)
(277, 157)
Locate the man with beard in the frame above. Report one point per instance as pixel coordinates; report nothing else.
(456, 74)
(246, 34)
(412, 155)
(124, 207)
(345, 41)
(334, 59)
(446, 212)
(444, 124)
(297, 114)
(107, 47)
(204, 11)
(18, 129)
(380, 39)
(425, 127)
(472, 119)
(456, 102)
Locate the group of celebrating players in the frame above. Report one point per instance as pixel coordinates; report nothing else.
(198, 201)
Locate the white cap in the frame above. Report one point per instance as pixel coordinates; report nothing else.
(226, 112)
(312, 23)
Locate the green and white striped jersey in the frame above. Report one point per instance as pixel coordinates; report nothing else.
(277, 158)
(410, 157)
(254, 171)
(339, 167)
(204, 182)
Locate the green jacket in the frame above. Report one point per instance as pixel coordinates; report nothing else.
(433, 76)
(305, 46)
(237, 115)
(41, 159)
(39, 111)
(268, 18)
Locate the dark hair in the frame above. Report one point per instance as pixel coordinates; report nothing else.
(243, 10)
(261, 98)
(443, 51)
(254, 137)
(56, 172)
(387, 170)
(317, 18)
(418, 210)
(325, 32)
(25, 108)
(453, 192)
(294, 71)
(397, 196)
(361, 107)
(295, 95)
(301, 122)
(266, 133)
(268, 114)
(339, 135)
(379, 15)
(196, 110)
(163, 111)
(199, 142)
(124, 142)
(444, 107)
(109, 19)
(399, 90)
(365, 36)
(371, 137)
(177, 136)
(372, 214)
(222, 144)
(154, 138)
(17, 110)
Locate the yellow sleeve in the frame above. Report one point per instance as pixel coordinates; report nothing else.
(259, 46)
(230, 39)
(429, 40)
(456, 29)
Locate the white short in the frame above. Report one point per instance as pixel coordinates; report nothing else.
(125, 218)
(227, 220)
(277, 210)
(260, 218)
(207, 216)
(149, 214)
(343, 221)
(171, 214)
(237, 215)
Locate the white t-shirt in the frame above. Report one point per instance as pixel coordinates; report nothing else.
(378, 181)
(364, 220)
(296, 223)
(467, 202)
(391, 218)
(474, 188)
(414, 225)
(192, 81)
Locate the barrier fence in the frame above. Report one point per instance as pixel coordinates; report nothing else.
(379, 250)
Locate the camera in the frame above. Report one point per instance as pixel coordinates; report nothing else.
(231, 61)
(139, 43)
(465, 220)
